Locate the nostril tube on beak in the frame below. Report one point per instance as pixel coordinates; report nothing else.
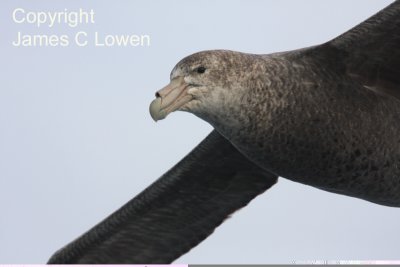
(169, 99)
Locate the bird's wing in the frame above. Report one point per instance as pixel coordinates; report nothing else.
(370, 51)
(176, 212)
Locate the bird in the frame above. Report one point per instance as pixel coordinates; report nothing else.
(326, 116)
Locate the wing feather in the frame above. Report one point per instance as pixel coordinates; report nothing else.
(370, 51)
(176, 212)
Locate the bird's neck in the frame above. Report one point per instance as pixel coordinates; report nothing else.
(263, 96)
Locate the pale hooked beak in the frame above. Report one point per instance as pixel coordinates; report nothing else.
(169, 99)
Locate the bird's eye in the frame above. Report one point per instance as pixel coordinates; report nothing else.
(201, 70)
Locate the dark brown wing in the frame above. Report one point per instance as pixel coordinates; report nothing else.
(175, 213)
(371, 51)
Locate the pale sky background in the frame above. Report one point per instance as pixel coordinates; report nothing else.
(77, 141)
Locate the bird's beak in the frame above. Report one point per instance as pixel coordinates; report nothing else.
(169, 99)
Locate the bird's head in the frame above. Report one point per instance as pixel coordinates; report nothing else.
(205, 84)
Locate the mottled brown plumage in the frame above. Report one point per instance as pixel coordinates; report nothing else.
(327, 116)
